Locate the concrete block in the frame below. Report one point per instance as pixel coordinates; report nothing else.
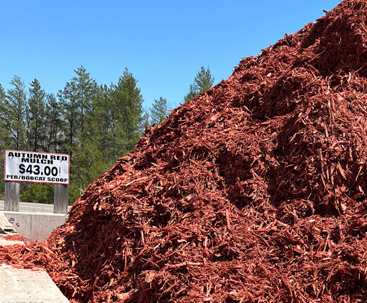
(35, 226)
(5, 226)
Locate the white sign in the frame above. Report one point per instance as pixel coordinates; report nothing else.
(24, 166)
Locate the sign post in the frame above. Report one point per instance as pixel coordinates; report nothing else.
(61, 198)
(11, 199)
(24, 166)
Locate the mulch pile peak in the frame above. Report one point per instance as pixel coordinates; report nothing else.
(255, 191)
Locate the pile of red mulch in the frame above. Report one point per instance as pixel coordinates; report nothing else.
(255, 191)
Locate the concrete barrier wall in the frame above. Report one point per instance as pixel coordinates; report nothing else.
(35, 226)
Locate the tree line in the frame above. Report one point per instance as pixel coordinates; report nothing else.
(95, 124)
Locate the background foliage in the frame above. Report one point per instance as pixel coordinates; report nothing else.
(95, 124)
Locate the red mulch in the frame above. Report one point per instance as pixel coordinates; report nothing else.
(14, 238)
(255, 191)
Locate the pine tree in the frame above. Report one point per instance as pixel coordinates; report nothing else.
(100, 115)
(158, 111)
(54, 124)
(4, 121)
(70, 111)
(76, 100)
(103, 123)
(202, 82)
(4, 135)
(36, 118)
(91, 157)
(127, 111)
(14, 109)
(86, 90)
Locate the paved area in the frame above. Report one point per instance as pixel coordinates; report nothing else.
(23, 285)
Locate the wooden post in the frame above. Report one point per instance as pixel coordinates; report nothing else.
(11, 199)
(61, 198)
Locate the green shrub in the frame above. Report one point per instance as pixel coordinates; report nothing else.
(38, 193)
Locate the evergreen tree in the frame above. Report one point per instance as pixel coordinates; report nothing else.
(36, 118)
(4, 135)
(103, 124)
(70, 108)
(91, 157)
(54, 124)
(14, 110)
(86, 90)
(76, 101)
(127, 112)
(102, 114)
(202, 82)
(2, 94)
(4, 121)
(158, 111)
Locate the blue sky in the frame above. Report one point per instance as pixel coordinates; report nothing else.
(162, 43)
